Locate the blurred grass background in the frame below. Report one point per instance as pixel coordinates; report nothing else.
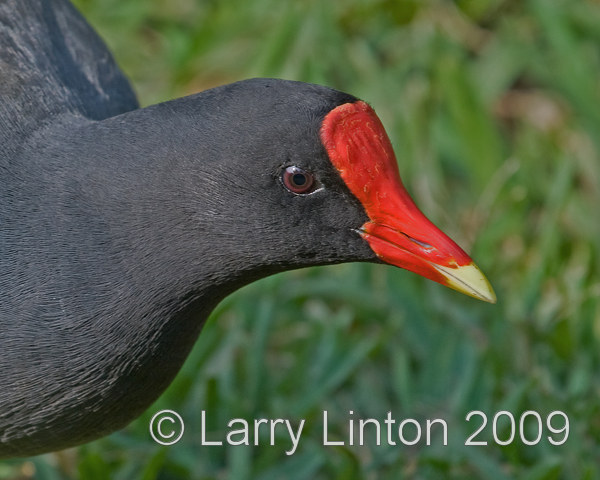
(494, 111)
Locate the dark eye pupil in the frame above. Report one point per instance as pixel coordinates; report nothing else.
(299, 179)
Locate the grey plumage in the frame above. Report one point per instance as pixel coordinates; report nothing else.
(121, 228)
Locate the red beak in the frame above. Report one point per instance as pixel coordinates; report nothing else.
(397, 231)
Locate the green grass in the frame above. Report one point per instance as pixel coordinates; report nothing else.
(494, 111)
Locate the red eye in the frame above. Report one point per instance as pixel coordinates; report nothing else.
(297, 180)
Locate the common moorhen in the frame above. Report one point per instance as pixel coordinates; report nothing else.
(122, 228)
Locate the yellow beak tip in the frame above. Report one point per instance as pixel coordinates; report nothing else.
(468, 279)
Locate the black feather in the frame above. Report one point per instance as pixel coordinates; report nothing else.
(122, 228)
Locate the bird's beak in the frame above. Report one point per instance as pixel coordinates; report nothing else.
(436, 256)
(397, 231)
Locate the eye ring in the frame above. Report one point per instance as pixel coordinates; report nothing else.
(298, 180)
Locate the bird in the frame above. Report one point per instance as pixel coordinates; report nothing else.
(121, 228)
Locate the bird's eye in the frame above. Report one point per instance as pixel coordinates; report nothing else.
(297, 180)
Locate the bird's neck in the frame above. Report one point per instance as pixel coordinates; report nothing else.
(136, 257)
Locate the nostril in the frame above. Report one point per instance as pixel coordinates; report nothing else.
(421, 244)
